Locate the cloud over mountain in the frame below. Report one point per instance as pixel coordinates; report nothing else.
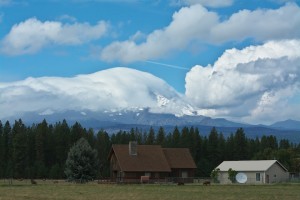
(112, 89)
(196, 23)
(257, 83)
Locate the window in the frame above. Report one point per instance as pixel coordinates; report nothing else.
(257, 176)
(184, 174)
(148, 174)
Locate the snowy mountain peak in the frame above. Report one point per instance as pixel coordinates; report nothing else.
(115, 89)
(162, 101)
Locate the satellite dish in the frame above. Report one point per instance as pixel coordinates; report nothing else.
(241, 177)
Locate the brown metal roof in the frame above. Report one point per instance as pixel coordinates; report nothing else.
(152, 158)
(179, 158)
(149, 158)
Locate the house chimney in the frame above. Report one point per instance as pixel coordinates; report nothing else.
(133, 148)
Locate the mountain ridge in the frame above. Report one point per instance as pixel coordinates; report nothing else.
(288, 124)
(125, 120)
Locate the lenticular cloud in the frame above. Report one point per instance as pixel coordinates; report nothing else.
(252, 83)
(108, 90)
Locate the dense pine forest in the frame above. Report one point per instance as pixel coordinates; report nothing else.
(41, 150)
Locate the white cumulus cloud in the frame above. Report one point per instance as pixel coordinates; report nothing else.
(1, 17)
(188, 23)
(32, 35)
(206, 3)
(196, 23)
(255, 84)
(260, 24)
(5, 2)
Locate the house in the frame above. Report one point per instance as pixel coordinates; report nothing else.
(128, 163)
(253, 171)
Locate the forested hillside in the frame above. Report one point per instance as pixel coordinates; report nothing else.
(40, 150)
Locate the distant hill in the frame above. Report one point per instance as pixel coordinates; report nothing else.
(287, 125)
(143, 119)
(250, 131)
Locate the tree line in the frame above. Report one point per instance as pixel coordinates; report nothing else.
(41, 150)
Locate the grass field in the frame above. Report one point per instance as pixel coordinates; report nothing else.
(64, 191)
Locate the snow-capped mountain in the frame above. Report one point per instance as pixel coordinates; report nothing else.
(118, 98)
(107, 91)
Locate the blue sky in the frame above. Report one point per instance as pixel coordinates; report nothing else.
(166, 38)
(125, 18)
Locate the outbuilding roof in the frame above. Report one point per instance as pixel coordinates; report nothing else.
(152, 158)
(249, 165)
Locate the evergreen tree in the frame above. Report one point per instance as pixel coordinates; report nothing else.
(285, 157)
(138, 136)
(81, 164)
(90, 137)
(31, 152)
(55, 172)
(253, 147)
(176, 138)
(160, 137)
(77, 132)
(284, 144)
(213, 151)
(194, 141)
(169, 140)
(19, 149)
(221, 147)
(41, 134)
(132, 135)
(40, 151)
(268, 142)
(50, 154)
(229, 148)
(8, 150)
(150, 137)
(62, 142)
(204, 167)
(2, 166)
(185, 140)
(103, 146)
(240, 145)
(196, 150)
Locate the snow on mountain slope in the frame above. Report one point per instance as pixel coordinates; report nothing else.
(111, 90)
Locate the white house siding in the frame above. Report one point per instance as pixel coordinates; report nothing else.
(270, 171)
(251, 178)
(223, 178)
(276, 174)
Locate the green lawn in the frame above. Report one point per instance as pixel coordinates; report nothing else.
(49, 190)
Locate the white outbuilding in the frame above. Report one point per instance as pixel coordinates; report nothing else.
(253, 172)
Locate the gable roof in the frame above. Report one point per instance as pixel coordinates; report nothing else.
(249, 165)
(149, 158)
(179, 158)
(152, 158)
